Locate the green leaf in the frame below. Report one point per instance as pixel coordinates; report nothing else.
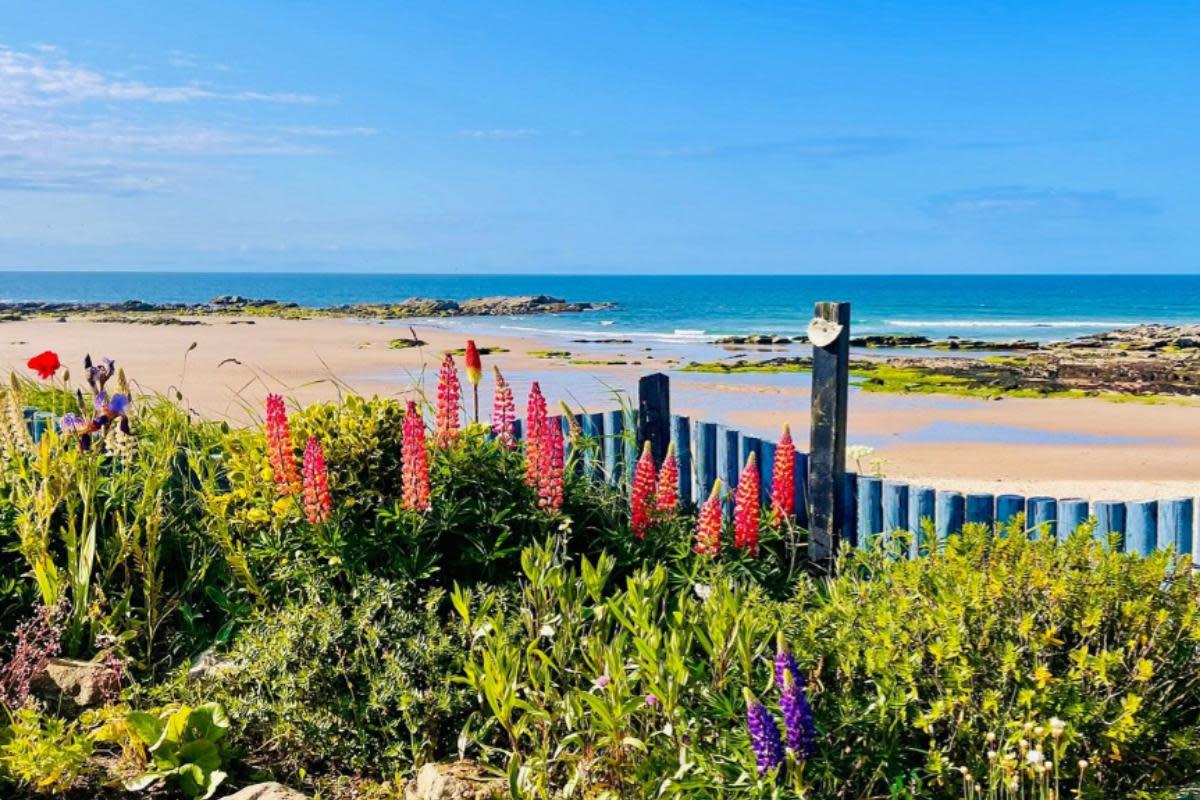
(148, 727)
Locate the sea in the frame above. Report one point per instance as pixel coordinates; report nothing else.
(689, 308)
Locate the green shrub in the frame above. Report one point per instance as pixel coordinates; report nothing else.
(42, 753)
(356, 680)
(917, 662)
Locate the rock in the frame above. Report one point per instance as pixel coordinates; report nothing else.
(462, 780)
(266, 791)
(70, 686)
(209, 664)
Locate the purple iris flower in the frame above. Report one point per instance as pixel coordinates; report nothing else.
(100, 401)
(72, 423)
(118, 404)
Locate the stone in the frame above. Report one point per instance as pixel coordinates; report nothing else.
(266, 791)
(69, 686)
(462, 780)
(209, 664)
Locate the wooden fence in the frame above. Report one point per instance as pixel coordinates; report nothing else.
(707, 451)
(835, 505)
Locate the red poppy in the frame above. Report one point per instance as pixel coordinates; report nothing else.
(45, 364)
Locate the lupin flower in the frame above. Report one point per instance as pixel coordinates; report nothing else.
(641, 495)
(414, 468)
(666, 494)
(550, 475)
(45, 364)
(317, 504)
(764, 736)
(279, 446)
(709, 523)
(746, 509)
(783, 479)
(448, 405)
(535, 423)
(503, 411)
(793, 702)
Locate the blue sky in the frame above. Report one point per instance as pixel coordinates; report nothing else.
(608, 137)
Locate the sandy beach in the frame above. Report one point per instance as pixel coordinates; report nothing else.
(1061, 447)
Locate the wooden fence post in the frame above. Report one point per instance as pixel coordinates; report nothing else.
(921, 512)
(1072, 512)
(1008, 508)
(1175, 521)
(704, 454)
(614, 430)
(827, 448)
(1110, 522)
(980, 509)
(654, 414)
(1042, 517)
(950, 515)
(681, 437)
(1141, 521)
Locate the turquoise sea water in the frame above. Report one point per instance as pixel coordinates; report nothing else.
(697, 308)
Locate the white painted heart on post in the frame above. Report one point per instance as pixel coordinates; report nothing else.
(823, 332)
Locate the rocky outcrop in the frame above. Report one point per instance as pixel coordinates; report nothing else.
(235, 304)
(266, 791)
(462, 780)
(1140, 338)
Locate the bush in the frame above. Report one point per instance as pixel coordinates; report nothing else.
(42, 753)
(356, 681)
(917, 662)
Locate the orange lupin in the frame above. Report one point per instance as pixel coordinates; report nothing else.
(709, 523)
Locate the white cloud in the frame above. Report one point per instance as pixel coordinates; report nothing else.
(44, 78)
(498, 134)
(69, 128)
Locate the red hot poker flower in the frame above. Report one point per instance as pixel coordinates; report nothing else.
(279, 446)
(318, 506)
(746, 508)
(45, 364)
(503, 411)
(448, 408)
(414, 467)
(473, 363)
(708, 524)
(641, 495)
(666, 496)
(783, 480)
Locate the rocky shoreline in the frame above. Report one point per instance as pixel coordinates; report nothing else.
(234, 305)
(1141, 361)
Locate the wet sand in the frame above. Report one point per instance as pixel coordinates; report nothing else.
(1061, 447)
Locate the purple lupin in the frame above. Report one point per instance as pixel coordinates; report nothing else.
(764, 735)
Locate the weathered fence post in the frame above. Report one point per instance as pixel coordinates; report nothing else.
(1042, 517)
(980, 509)
(830, 335)
(614, 430)
(1175, 521)
(681, 437)
(950, 515)
(1141, 522)
(727, 464)
(921, 512)
(1072, 513)
(654, 414)
(1110, 522)
(1008, 508)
